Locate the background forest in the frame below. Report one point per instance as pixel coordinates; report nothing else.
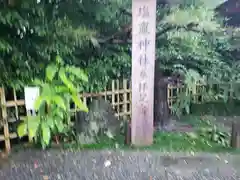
(196, 41)
(95, 35)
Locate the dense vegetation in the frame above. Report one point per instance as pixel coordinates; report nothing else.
(195, 45)
(192, 43)
(94, 35)
(34, 32)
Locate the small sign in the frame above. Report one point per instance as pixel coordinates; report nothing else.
(31, 94)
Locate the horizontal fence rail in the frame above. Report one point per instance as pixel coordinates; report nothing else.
(118, 93)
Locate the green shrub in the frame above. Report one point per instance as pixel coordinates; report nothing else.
(61, 85)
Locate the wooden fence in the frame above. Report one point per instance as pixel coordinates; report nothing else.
(118, 93)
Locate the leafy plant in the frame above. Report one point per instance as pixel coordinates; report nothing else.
(61, 85)
(188, 93)
(215, 134)
(209, 129)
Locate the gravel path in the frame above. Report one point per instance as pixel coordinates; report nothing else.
(119, 165)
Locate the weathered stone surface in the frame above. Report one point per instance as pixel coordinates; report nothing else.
(98, 121)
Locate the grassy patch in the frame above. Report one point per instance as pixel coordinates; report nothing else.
(163, 141)
(173, 141)
(167, 141)
(184, 142)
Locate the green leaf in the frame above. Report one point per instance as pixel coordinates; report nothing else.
(79, 73)
(51, 71)
(46, 133)
(61, 89)
(46, 95)
(60, 126)
(50, 122)
(33, 125)
(78, 102)
(47, 90)
(22, 129)
(59, 59)
(38, 102)
(60, 114)
(38, 82)
(59, 101)
(57, 114)
(65, 80)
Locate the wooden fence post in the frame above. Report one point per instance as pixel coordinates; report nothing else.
(235, 136)
(15, 104)
(118, 99)
(113, 94)
(5, 121)
(125, 101)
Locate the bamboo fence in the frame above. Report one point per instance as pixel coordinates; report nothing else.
(118, 94)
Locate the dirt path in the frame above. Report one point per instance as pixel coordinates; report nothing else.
(120, 165)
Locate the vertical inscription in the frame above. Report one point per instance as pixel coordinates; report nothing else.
(143, 62)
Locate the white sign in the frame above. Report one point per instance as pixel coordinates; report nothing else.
(31, 94)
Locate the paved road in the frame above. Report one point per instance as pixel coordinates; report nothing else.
(119, 165)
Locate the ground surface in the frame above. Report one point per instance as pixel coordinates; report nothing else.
(120, 165)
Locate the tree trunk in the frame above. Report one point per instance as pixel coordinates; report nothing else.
(161, 108)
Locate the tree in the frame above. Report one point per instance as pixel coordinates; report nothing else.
(32, 32)
(95, 35)
(193, 43)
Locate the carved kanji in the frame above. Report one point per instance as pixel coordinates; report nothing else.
(143, 11)
(143, 27)
(143, 44)
(143, 59)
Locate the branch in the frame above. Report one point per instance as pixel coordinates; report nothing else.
(188, 27)
(126, 12)
(113, 39)
(125, 32)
